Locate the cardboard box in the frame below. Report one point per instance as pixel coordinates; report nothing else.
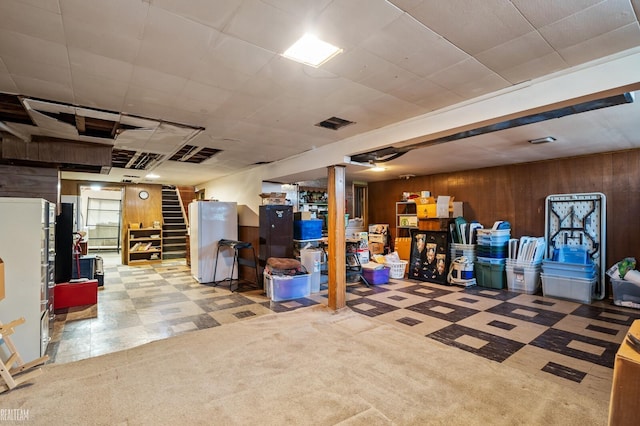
(273, 198)
(625, 389)
(1, 279)
(302, 216)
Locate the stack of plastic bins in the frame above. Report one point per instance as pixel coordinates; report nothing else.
(571, 275)
(491, 252)
(463, 250)
(523, 277)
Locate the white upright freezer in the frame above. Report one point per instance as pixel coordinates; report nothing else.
(27, 247)
(209, 222)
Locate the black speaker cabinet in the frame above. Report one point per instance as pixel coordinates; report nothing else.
(276, 232)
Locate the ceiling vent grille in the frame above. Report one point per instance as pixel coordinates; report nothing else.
(334, 123)
(193, 154)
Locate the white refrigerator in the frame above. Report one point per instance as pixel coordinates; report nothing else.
(209, 222)
(27, 247)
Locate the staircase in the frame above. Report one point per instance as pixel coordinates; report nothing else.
(174, 228)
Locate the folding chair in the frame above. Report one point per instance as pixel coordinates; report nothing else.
(22, 371)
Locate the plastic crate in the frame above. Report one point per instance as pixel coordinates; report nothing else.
(376, 276)
(625, 293)
(397, 269)
(489, 274)
(287, 287)
(571, 270)
(570, 288)
(523, 279)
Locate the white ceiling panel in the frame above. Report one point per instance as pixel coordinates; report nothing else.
(412, 46)
(43, 89)
(537, 67)
(173, 44)
(98, 92)
(346, 23)
(469, 79)
(239, 55)
(157, 80)
(21, 45)
(218, 65)
(265, 26)
(595, 21)
(86, 63)
(515, 52)
(27, 67)
(611, 42)
(540, 14)
(473, 26)
(34, 21)
(201, 11)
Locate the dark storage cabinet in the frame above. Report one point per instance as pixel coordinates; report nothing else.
(276, 232)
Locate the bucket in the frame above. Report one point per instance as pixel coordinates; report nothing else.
(311, 259)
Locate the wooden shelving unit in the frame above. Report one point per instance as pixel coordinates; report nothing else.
(405, 211)
(144, 246)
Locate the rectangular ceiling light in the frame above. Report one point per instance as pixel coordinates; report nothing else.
(312, 51)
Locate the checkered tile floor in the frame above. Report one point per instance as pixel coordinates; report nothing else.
(568, 342)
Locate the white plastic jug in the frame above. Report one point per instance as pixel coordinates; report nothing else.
(311, 259)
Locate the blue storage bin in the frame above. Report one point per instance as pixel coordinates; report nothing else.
(310, 229)
(376, 276)
(571, 270)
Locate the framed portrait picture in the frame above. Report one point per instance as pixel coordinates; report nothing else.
(429, 260)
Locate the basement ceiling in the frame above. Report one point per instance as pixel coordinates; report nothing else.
(199, 90)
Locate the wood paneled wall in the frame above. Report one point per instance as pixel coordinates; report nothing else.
(137, 210)
(517, 194)
(29, 182)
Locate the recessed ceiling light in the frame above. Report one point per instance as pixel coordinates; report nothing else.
(543, 140)
(310, 50)
(152, 176)
(378, 169)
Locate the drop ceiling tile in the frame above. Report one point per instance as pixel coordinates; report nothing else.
(443, 99)
(389, 77)
(535, 68)
(202, 11)
(212, 72)
(21, 66)
(417, 91)
(266, 26)
(239, 55)
(201, 98)
(50, 5)
(100, 41)
(355, 64)
(469, 79)
(34, 21)
(172, 44)
(7, 84)
(239, 106)
(84, 62)
(157, 80)
(106, 18)
(31, 48)
(515, 52)
(300, 80)
(410, 45)
(347, 23)
(540, 14)
(44, 89)
(589, 23)
(406, 5)
(473, 26)
(612, 42)
(300, 8)
(97, 92)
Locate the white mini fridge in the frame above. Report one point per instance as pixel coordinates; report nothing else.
(209, 222)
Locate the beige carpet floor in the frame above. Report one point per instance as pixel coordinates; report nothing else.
(311, 366)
